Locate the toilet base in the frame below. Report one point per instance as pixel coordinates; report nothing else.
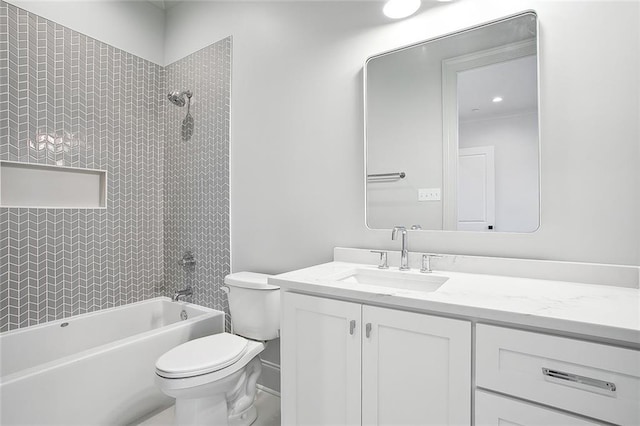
(228, 401)
(201, 411)
(245, 418)
(211, 411)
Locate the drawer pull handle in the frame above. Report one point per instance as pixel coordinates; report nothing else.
(579, 379)
(352, 326)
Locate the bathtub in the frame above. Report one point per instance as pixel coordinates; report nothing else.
(96, 368)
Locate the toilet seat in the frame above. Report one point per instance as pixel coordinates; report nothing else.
(180, 384)
(202, 356)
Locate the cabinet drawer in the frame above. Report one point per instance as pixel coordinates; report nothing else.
(595, 380)
(496, 410)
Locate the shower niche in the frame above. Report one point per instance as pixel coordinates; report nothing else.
(44, 186)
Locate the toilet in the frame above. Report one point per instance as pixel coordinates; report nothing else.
(213, 378)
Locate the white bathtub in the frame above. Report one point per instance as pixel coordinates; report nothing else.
(96, 368)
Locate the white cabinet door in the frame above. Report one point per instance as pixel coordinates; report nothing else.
(495, 410)
(416, 369)
(320, 344)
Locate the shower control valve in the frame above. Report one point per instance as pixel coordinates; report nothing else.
(187, 259)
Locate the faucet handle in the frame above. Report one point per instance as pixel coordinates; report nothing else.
(394, 231)
(383, 259)
(426, 262)
(187, 259)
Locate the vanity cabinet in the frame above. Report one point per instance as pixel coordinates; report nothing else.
(498, 410)
(345, 363)
(589, 379)
(320, 361)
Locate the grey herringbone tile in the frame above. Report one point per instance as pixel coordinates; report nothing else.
(197, 175)
(74, 101)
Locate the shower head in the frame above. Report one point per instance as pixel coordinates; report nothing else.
(177, 98)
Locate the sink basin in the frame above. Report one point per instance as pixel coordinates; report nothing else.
(401, 280)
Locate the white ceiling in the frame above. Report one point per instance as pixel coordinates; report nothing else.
(515, 81)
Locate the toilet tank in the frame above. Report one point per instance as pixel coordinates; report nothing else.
(254, 305)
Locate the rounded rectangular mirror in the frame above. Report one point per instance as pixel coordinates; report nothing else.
(452, 131)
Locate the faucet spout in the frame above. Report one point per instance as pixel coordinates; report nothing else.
(404, 254)
(182, 293)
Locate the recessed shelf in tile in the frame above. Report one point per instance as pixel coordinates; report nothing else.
(42, 186)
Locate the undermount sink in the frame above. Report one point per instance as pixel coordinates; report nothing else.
(400, 280)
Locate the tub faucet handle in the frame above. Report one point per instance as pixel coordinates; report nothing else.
(382, 264)
(187, 259)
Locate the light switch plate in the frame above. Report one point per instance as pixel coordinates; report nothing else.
(429, 194)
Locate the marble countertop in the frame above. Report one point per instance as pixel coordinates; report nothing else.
(601, 312)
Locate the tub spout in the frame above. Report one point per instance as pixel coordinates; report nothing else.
(182, 293)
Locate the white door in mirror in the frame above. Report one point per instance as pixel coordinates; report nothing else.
(476, 189)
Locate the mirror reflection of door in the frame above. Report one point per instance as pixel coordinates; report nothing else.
(476, 189)
(497, 109)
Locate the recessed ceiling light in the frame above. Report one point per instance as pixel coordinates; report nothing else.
(497, 99)
(397, 9)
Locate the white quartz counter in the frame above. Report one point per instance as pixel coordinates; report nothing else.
(604, 313)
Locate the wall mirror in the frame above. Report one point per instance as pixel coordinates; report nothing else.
(452, 131)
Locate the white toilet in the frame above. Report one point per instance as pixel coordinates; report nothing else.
(213, 379)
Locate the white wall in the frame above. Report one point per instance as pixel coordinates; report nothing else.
(297, 134)
(134, 26)
(297, 163)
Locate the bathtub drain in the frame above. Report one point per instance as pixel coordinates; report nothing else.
(184, 315)
(64, 324)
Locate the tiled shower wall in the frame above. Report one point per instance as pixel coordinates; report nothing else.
(67, 99)
(197, 174)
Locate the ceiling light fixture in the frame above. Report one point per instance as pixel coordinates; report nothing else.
(497, 99)
(397, 9)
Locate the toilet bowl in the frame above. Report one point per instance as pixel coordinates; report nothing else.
(213, 378)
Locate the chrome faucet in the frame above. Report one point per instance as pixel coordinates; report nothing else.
(182, 293)
(404, 255)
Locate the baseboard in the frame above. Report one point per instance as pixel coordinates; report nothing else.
(270, 377)
(269, 391)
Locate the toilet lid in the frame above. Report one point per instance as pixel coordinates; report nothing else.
(201, 356)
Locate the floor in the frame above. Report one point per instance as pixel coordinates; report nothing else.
(268, 406)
